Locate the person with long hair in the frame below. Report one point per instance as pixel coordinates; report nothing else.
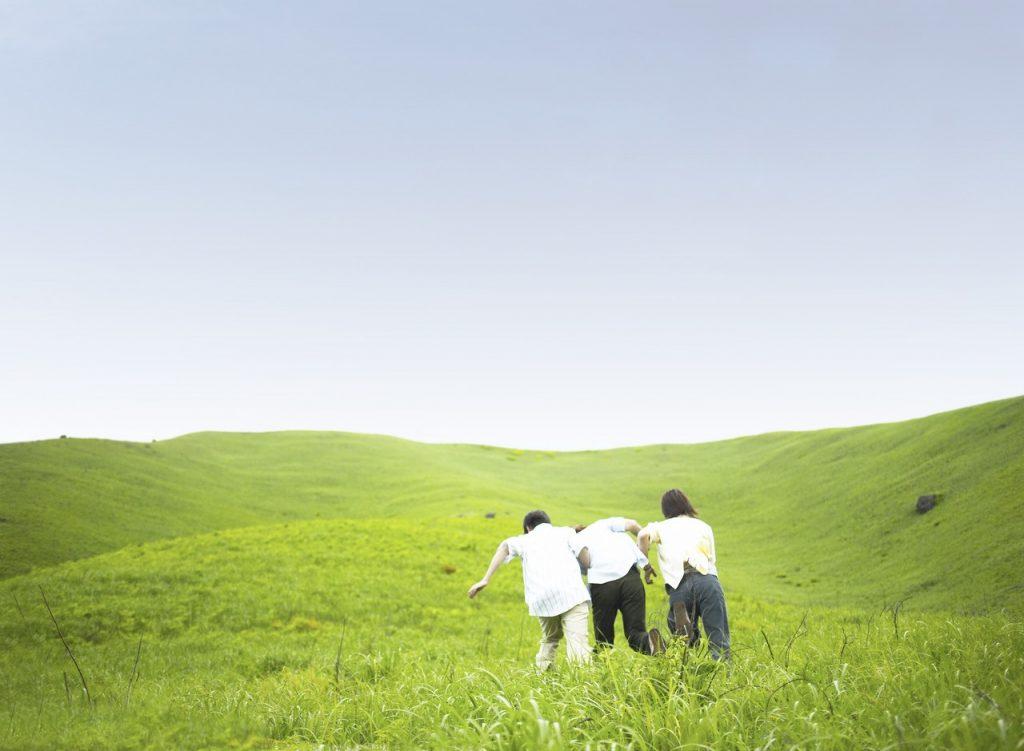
(686, 556)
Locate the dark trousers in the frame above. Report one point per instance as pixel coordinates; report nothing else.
(625, 595)
(704, 600)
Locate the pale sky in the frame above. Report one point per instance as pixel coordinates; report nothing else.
(557, 225)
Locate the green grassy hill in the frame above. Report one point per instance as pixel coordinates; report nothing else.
(823, 517)
(308, 590)
(358, 634)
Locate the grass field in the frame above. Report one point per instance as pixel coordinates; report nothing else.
(302, 589)
(347, 634)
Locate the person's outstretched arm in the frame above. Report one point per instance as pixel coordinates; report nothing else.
(499, 557)
(632, 526)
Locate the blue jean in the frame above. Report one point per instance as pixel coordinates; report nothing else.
(704, 600)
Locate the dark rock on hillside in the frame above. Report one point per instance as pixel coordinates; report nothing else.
(926, 503)
(490, 515)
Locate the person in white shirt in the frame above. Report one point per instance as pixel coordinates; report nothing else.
(686, 556)
(615, 583)
(553, 558)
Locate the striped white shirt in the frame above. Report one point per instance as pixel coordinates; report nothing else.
(551, 575)
(612, 551)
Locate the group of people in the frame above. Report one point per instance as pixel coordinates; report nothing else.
(556, 558)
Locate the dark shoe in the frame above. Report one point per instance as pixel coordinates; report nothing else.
(657, 644)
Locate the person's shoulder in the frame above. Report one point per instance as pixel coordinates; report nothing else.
(695, 525)
(601, 525)
(615, 523)
(681, 523)
(550, 530)
(516, 543)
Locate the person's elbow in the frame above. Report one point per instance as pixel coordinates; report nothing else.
(584, 559)
(643, 540)
(632, 526)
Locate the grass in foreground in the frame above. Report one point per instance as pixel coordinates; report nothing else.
(344, 634)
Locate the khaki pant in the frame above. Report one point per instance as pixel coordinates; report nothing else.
(573, 625)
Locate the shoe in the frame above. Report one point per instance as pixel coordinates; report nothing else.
(657, 644)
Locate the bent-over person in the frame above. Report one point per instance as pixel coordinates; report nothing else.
(616, 586)
(553, 586)
(686, 556)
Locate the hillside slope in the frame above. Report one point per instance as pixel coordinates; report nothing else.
(357, 633)
(818, 517)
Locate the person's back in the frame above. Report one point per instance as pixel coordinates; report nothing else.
(615, 583)
(551, 573)
(552, 558)
(612, 551)
(686, 552)
(685, 542)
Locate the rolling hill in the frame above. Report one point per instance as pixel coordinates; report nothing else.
(823, 517)
(308, 590)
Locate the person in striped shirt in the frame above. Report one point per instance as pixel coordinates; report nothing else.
(553, 558)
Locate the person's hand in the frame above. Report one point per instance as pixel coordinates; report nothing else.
(649, 574)
(477, 588)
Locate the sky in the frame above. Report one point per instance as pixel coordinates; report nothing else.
(553, 225)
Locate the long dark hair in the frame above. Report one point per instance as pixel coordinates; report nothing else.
(675, 503)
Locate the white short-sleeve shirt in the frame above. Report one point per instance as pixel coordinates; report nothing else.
(612, 551)
(551, 575)
(681, 540)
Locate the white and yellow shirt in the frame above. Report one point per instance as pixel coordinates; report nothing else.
(681, 540)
